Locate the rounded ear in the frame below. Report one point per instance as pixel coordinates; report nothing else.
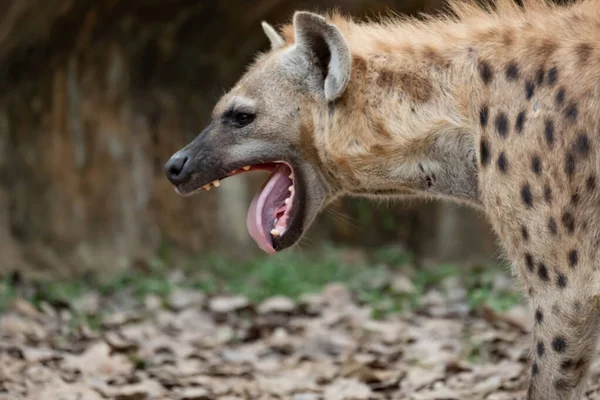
(324, 43)
(274, 37)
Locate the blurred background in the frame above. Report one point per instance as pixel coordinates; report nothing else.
(95, 96)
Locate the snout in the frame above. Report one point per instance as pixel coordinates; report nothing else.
(177, 168)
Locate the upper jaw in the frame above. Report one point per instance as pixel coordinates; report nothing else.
(203, 181)
(205, 177)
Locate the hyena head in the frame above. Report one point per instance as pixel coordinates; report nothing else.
(266, 122)
(300, 112)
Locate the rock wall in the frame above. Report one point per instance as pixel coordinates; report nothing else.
(95, 95)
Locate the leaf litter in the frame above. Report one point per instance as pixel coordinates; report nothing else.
(321, 346)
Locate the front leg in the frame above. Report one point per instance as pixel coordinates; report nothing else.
(565, 332)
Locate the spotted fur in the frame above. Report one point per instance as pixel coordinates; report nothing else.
(528, 108)
(496, 107)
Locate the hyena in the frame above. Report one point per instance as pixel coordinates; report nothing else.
(497, 107)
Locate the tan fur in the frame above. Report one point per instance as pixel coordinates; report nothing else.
(498, 108)
(413, 81)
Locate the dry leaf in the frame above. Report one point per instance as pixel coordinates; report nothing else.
(278, 304)
(97, 361)
(227, 304)
(347, 389)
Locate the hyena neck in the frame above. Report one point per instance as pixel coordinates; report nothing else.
(411, 115)
(404, 126)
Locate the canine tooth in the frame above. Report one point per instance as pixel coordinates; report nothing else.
(216, 183)
(246, 168)
(291, 176)
(234, 171)
(206, 187)
(291, 188)
(287, 201)
(275, 232)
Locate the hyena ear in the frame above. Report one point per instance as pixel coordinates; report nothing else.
(324, 43)
(274, 37)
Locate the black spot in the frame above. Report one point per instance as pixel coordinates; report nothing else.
(535, 369)
(526, 195)
(570, 164)
(568, 221)
(502, 163)
(484, 116)
(559, 344)
(486, 73)
(549, 132)
(512, 71)
(539, 77)
(573, 258)
(580, 363)
(524, 233)
(539, 316)
(552, 76)
(590, 184)
(552, 226)
(571, 112)
(582, 145)
(520, 122)
(501, 124)
(540, 348)
(536, 164)
(543, 272)
(561, 280)
(566, 364)
(484, 150)
(560, 97)
(529, 90)
(548, 194)
(575, 199)
(529, 262)
(562, 385)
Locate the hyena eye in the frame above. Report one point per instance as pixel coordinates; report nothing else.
(241, 119)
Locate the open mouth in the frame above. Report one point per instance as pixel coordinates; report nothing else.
(272, 211)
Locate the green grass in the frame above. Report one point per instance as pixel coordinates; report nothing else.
(7, 293)
(289, 273)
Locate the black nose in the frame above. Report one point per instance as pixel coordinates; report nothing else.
(176, 168)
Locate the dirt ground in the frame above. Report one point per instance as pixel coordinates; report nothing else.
(191, 346)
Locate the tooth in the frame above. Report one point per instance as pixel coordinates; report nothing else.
(291, 188)
(206, 187)
(287, 201)
(246, 168)
(292, 175)
(216, 183)
(275, 232)
(234, 171)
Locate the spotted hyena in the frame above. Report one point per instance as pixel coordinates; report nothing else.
(498, 108)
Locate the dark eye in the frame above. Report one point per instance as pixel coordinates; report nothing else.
(241, 119)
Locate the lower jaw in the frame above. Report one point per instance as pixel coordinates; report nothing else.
(270, 213)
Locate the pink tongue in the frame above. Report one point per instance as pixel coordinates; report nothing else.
(261, 215)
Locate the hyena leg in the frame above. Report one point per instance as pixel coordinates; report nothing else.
(564, 340)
